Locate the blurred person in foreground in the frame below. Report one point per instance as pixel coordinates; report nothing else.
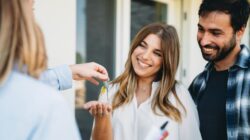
(30, 110)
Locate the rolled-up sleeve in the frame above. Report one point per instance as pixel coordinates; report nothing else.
(59, 77)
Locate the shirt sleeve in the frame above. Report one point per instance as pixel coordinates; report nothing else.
(59, 77)
(189, 126)
(191, 90)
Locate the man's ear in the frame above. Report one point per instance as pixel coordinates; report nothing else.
(240, 33)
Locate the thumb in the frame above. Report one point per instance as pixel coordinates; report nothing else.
(88, 105)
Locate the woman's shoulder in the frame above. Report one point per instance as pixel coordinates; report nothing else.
(36, 97)
(31, 83)
(181, 89)
(183, 94)
(26, 86)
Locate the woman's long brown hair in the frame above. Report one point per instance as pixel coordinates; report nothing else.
(127, 81)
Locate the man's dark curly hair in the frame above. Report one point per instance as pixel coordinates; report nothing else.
(237, 9)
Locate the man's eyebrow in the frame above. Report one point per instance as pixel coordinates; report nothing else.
(211, 29)
(199, 25)
(216, 30)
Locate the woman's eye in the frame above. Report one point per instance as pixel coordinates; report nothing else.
(158, 54)
(140, 45)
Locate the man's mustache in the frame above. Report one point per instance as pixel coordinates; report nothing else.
(210, 47)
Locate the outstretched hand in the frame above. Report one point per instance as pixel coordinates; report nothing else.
(98, 109)
(102, 129)
(89, 71)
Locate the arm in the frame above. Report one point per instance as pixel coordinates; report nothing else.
(61, 77)
(102, 129)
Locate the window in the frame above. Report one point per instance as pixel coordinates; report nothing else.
(95, 42)
(146, 12)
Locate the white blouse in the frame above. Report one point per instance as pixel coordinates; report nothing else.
(130, 122)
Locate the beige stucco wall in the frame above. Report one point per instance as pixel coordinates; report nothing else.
(57, 19)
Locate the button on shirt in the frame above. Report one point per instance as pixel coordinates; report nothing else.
(134, 123)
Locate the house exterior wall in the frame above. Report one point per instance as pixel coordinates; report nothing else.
(57, 19)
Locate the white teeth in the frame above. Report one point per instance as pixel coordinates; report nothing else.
(143, 65)
(208, 50)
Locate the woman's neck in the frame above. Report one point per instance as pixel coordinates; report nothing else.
(143, 90)
(144, 84)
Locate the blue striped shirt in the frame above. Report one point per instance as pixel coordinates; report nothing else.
(237, 99)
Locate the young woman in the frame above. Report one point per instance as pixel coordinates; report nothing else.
(146, 94)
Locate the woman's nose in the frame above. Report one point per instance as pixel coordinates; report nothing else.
(146, 54)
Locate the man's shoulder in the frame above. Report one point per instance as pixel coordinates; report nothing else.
(196, 84)
(198, 78)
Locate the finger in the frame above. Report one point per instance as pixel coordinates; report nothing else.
(94, 111)
(92, 80)
(100, 76)
(164, 135)
(99, 109)
(101, 72)
(88, 105)
(101, 69)
(91, 112)
(105, 109)
(109, 108)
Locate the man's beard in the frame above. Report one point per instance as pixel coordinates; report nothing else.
(223, 52)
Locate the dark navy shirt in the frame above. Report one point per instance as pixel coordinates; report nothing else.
(212, 107)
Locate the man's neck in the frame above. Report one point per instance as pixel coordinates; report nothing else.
(228, 61)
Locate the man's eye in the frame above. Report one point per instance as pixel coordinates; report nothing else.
(216, 33)
(200, 30)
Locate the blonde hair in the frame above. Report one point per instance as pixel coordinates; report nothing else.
(166, 76)
(21, 40)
